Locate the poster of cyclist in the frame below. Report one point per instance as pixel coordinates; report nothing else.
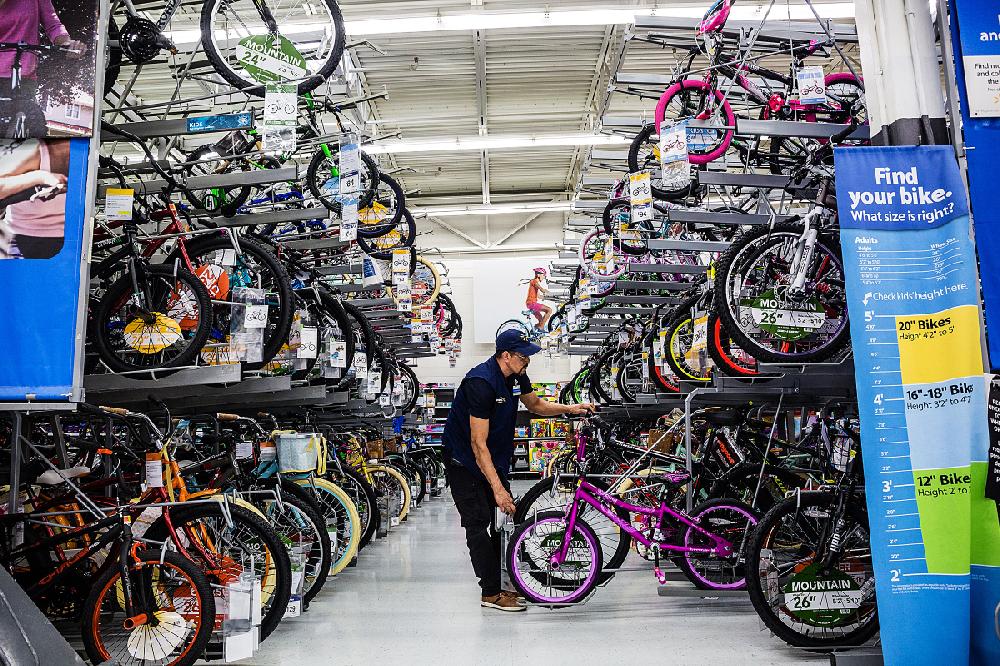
(47, 65)
(33, 177)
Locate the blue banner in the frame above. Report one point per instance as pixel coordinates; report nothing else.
(912, 294)
(975, 29)
(41, 259)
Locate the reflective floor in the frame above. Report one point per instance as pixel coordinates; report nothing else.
(413, 599)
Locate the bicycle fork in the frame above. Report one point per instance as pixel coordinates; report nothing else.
(805, 250)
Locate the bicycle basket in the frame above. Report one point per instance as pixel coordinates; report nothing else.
(298, 452)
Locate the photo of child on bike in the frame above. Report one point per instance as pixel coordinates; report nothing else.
(46, 67)
(33, 176)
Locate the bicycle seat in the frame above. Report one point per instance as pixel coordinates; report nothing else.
(723, 417)
(677, 477)
(527, 313)
(53, 478)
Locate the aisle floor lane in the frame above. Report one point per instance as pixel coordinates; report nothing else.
(413, 599)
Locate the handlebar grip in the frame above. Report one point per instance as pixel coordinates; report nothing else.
(119, 411)
(223, 416)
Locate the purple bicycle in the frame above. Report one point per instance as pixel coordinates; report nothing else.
(554, 557)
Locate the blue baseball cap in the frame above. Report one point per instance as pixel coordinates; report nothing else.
(512, 340)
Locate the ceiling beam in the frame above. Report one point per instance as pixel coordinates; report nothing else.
(531, 218)
(458, 232)
(484, 158)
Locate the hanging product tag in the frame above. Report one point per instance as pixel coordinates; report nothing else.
(349, 219)
(583, 290)
(360, 365)
(154, 470)
(350, 165)
(268, 451)
(118, 204)
(255, 315)
(244, 450)
(811, 85)
(280, 111)
(374, 383)
(401, 261)
(338, 354)
(404, 297)
(640, 196)
(675, 168)
(308, 342)
(371, 273)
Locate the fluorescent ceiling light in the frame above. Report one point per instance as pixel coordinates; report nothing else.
(495, 209)
(533, 19)
(498, 142)
(541, 19)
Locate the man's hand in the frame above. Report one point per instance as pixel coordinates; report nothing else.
(504, 501)
(76, 48)
(581, 409)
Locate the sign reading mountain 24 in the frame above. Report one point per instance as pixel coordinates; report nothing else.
(270, 58)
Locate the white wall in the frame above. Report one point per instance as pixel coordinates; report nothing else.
(464, 273)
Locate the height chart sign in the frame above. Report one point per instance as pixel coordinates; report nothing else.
(912, 294)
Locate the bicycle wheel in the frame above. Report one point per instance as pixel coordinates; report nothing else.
(726, 518)
(390, 483)
(248, 52)
(545, 496)
(762, 317)
(342, 520)
(694, 99)
(386, 209)
(174, 613)
(599, 258)
(168, 333)
(303, 530)
(400, 236)
(529, 553)
(686, 348)
(784, 557)
(425, 283)
(644, 155)
(218, 262)
(727, 355)
(362, 494)
(228, 541)
(514, 325)
(631, 236)
(323, 178)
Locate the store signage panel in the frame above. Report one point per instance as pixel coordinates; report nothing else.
(981, 57)
(41, 262)
(912, 293)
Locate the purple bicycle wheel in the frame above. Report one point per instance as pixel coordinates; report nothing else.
(730, 520)
(528, 560)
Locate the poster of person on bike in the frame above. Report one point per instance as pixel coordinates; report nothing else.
(33, 180)
(47, 65)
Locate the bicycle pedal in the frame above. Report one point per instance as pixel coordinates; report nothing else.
(661, 576)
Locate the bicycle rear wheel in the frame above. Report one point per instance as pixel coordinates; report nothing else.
(170, 593)
(308, 53)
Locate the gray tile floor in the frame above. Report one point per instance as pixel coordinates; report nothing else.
(413, 600)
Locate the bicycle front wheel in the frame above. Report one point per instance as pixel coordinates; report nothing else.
(247, 52)
(173, 601)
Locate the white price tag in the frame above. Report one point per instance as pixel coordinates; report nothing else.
(350, 183)
(154, 470)
(255, 315)
(244, 450)
(338, 354)
(309, 343)
(118, 204)
(349, 219)
(401, 261)
(374, 383)
(811, 85)
(360, 365)
(280, 104)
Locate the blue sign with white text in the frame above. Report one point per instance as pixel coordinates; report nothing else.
(915, 328)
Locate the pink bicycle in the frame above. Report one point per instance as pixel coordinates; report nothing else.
(705, 102)
(555, 558)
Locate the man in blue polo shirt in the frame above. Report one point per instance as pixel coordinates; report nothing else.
(479, 445)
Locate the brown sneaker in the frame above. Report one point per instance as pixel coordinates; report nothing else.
(503, 601)
(516, 596)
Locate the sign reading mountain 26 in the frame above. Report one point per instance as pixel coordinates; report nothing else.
(822, 598)
(270, 58)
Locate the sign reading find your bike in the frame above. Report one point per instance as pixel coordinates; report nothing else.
(913, 298)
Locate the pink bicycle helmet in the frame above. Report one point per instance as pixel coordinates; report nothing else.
(541, 270)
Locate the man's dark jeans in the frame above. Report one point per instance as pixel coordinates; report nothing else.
(474, 499)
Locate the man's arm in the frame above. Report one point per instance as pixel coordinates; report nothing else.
(536, 405)
(479, 430)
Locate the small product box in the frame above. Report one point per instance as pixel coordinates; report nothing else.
(521, 431)
(560, 428)
(539, 428)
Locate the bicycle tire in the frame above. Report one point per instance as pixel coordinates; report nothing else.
(275, 595)
(279, 317)
(399, 205)
(329, 199)
(725, 307)
(221, 63)
(685, 560)
(118, 290)
(757, 545)
(105, 585)
(666, 194)
(392, 481)
(363, 494)
(336, 504)
(407, 234)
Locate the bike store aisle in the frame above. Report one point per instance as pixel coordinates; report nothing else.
(420, 606)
